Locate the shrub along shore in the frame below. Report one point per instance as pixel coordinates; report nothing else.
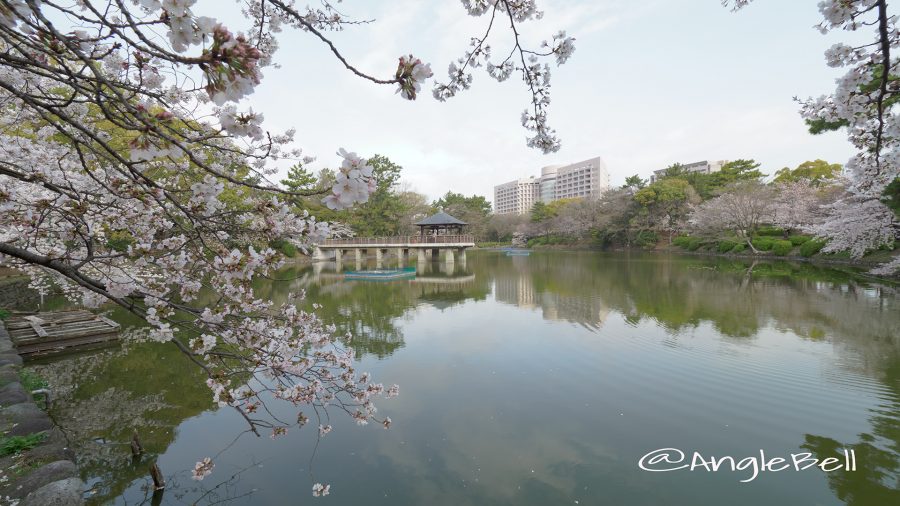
(798, 248)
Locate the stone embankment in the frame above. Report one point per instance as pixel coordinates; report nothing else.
(45, 474)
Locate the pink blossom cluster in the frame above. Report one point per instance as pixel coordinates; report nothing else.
(202, 469)
(353, 184)
(246, 124)
(232, 71)
(320, 490)
(411, 73)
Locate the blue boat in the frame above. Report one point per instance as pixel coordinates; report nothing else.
(382, 274)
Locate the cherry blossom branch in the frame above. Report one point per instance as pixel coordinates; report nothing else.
(311, 29)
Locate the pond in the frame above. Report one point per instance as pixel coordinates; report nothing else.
(536, 380)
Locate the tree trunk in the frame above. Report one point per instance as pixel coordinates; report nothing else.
(750, 243)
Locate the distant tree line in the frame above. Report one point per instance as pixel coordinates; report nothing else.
(392, 209)
(730, 210)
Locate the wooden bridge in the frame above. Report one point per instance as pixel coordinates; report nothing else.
(453, 246)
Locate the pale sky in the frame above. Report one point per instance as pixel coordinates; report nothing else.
(651, 83)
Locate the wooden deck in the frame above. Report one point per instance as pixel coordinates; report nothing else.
(402, 241)
(46, 333)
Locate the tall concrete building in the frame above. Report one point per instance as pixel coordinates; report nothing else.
(703, 167)
(582, 179)
(517, 197)
(548, 182)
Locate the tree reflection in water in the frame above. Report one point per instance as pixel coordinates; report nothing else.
(102, 396)
(877, 480)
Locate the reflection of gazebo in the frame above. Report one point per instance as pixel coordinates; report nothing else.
(440, 224)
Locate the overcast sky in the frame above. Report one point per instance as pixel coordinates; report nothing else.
(651, 83)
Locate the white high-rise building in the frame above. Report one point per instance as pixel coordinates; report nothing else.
(703, 167)
(582, 179)
(585, 179)
(516, 197)
(548, 183)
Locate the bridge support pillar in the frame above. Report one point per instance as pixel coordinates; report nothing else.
(378, 257)
(448, 256)
(462, 257)
(318, 255)
(421, 258)
(401, 260)
(358, 253)
(337, 255)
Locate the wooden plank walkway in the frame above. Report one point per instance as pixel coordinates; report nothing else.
(45, 333)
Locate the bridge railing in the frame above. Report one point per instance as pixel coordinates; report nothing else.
(400, 240)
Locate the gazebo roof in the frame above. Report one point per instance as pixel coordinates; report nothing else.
(441, 218)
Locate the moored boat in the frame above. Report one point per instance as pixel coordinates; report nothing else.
(382, 274)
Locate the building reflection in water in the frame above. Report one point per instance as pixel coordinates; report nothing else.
(517, 286)
(101, 397)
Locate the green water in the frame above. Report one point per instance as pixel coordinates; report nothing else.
(536, 380)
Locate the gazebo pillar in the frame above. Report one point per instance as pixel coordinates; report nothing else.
(421, 264)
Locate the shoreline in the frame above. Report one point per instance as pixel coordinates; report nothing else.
(45, 473)
(674, 250)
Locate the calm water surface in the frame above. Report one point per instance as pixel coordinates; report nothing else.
(536, 380)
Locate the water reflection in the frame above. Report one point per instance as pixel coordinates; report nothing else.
(539, 380)
(878, 481)
(370, 310)
(101, 398)
(737, 297)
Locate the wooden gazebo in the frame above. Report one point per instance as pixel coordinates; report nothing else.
(440, 223)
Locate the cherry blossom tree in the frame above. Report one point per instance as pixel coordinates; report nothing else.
(863, 103)
(797, 205)
(739, 210)
(129, 173)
